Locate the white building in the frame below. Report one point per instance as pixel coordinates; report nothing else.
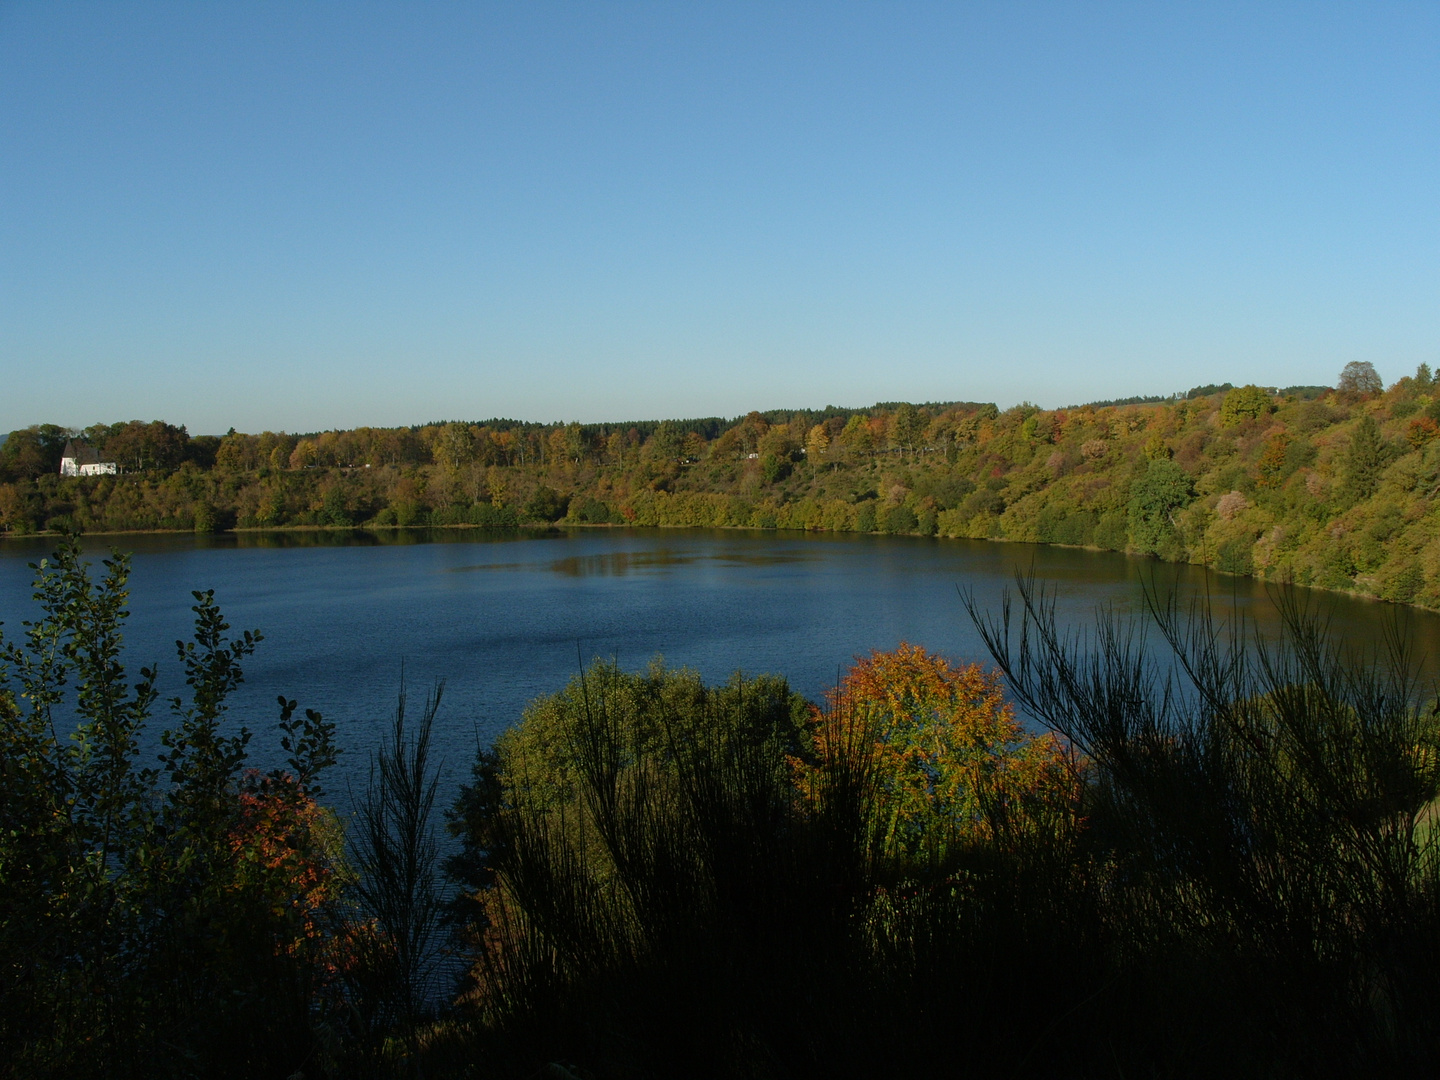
(80, 459)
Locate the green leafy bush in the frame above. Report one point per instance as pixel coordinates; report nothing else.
(153, 921)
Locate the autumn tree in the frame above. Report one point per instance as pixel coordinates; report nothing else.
(556, 449)
(1270, 468)
(817, 442)
(953, 763)
(694, 445)
(1422, 429)
(136, 446)
(576, 443)
(303, 456)
(453, 446)
(239, 452)
(856, 437)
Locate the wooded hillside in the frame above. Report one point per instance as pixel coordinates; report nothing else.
(1328, 487)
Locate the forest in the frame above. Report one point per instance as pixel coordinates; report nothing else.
(1215, 859)
(1328, 487)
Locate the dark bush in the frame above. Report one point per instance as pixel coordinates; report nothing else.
(546, 504)
(900, 519)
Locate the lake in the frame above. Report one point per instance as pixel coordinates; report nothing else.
(503, 617)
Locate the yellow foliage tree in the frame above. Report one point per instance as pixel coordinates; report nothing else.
(952, 762)
(817, 442)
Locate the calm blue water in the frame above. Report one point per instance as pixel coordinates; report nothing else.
(505, 617)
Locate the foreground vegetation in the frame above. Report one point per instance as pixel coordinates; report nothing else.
(1330, 488)
(1221, 862)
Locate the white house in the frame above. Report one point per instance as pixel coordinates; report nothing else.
(80, 459)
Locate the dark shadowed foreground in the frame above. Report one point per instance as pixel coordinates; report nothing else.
(1222, 864)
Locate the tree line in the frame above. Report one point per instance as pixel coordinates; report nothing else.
(1320, 486)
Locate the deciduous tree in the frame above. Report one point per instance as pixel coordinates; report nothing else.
(1360, 378)
(953, 764)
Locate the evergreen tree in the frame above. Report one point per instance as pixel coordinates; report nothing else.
(1366, 460)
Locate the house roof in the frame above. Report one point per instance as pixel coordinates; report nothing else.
(82, 452)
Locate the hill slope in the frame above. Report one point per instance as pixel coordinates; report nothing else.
(1336, 490)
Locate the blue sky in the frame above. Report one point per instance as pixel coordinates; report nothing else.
(308, 216)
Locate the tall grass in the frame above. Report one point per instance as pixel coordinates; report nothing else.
(393, 983)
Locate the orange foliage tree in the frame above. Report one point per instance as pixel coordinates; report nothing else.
(286, 852)
(951, 761)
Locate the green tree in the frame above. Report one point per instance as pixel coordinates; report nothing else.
(1365, 460)
(33, 451)
(774, 467)
(665, 443)
(1163, 490)
(906, 426)
(1245, 403)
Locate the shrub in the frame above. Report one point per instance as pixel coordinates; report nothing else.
(901, 519)
(152, 916)
(546, 504)
(1401, 586)
(1263, 805)
(1236, 556)
(1421, 430)
(592, 511)
(669, 872)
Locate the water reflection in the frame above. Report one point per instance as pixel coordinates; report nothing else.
(621, 563)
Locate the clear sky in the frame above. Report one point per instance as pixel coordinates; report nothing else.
(300, 216)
